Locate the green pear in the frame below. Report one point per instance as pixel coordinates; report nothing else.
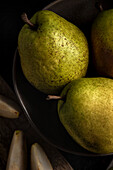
(85, 109)
(52, 51)
(102, 43)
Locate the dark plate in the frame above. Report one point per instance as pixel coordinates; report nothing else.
(41, 113)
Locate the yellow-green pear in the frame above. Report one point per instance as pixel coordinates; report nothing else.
(52, 51)
(86, 111)
(102, 42)
(17, 157)
(39, 159)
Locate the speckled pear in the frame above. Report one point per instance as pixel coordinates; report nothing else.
(86, 112)
(52, 51)
(102, 43)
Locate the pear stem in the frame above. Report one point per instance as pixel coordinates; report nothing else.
(27, 21)
(53, 97)
(99, 6)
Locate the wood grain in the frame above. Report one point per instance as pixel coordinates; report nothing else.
(7, 128)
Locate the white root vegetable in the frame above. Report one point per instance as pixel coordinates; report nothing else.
(17, 158)
(39, 159)
(8, 107)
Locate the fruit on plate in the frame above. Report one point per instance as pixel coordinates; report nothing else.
(52, 51)
(102, 42)
(85, 109)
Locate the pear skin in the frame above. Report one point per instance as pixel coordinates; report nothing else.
(53, 52)
(87, 113)
(102, 43)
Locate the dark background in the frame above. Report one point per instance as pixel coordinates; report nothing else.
(10, 25)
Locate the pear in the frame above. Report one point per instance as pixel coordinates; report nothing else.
(86, 111)
(9, 108)
(52, 51)
(39, 159)
(17, 158)
(102, 42)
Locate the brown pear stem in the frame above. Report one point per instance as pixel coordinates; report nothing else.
(53, 97)
(99, 6)
(27, 21)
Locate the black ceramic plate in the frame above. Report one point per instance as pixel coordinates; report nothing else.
(41, 113)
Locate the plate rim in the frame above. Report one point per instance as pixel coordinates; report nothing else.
(28, 116)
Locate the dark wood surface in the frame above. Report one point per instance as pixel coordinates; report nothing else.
(10, 25)
(58, 158)
(8, 127)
